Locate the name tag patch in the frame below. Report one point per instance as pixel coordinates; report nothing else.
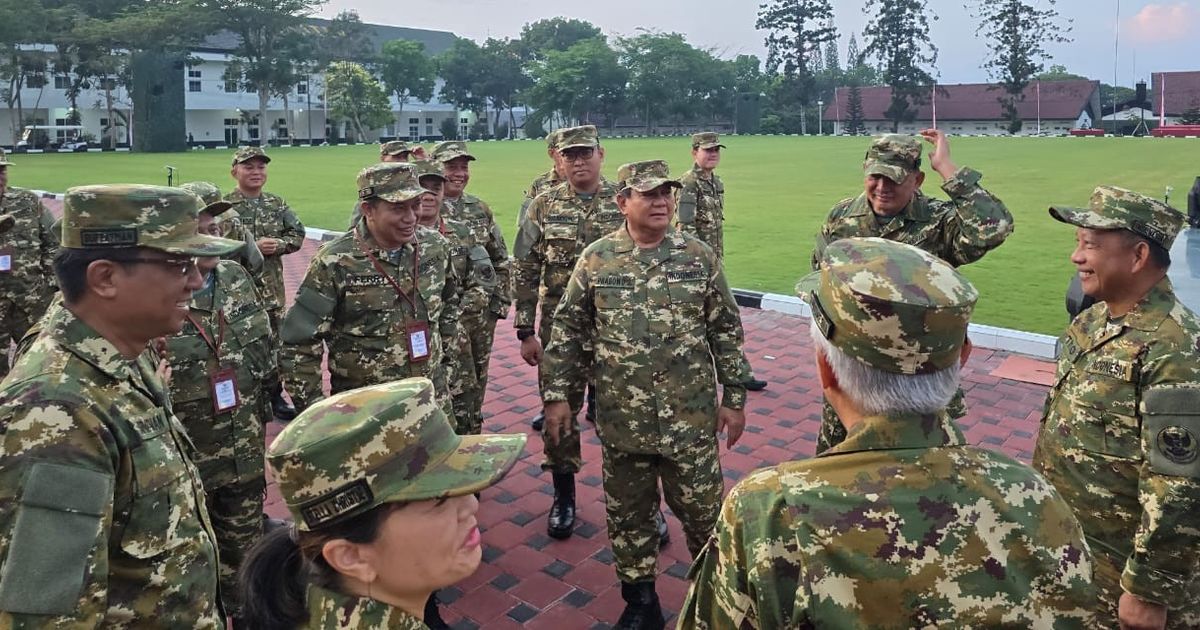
(342, 501)
(686, 276)
(365, 280)
(616, 281)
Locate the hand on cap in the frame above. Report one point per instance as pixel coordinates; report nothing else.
(558, 421)
(939, 157)
(731, 421)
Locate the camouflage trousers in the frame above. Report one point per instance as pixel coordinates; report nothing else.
(833, 432)
(481, 332)
(16, 318)
(236, 512)
(1107, 577)
(692, 486)
(566, 456)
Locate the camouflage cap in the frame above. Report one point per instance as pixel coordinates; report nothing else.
(451, 150)
(382, 444)
(584, 136)
(552, 139)
(1115, 208)
(245, 154)
(894, 156)
(890, 305)
(391, 181)
(4, 159)
(645, 176)
(395, 147)
(707, 140)
(429, 168)
(214, 204)
(134, 215)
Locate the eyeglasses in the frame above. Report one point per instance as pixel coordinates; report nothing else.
(185, 266)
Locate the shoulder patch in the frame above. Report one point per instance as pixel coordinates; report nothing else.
(1171, 430)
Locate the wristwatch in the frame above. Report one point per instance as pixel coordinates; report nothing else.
(524, 333)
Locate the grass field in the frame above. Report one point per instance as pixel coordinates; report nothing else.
(778, 192)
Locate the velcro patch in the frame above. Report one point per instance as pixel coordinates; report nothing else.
(365, 280)
(336, 504)
(562, 218)
(820, 318)
(108, 237)
(1112, 367)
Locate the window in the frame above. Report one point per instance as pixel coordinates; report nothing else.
(302, 88)
(231, 86)
(428, 121)
(193, 86)
(463, 120)
(429, 130)
(193, 74)
(414, 132)
(35, 81)
(61, 82)
(414, 121)
(111, 84)
(231, 122)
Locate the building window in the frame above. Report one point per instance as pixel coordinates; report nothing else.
(35, 81)
(429, 130)
(302, 88)
(428, 121)
(414, 132)
(193, 86)
(463, 121)
(193, 74)
(110, 84)
(414, 121)
(231, 86)
(61, 82)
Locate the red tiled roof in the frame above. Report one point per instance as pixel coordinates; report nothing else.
(1182, 91)
(1060, 100)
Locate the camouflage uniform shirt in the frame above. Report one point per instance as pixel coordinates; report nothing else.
(102, 514)
(900, 526)
(959, 232)
(657, 320)
(32, 243)
(230, 443)
(268, 216)
(701, 208)
(486, 250)
(328, 610)
(1119, 440)
(345, 304)
(558, 225)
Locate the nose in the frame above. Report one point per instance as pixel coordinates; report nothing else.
(194, 279)
(1077, 255)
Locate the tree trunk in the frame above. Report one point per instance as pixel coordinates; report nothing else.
(287, 117)
(400, 115)
(264, 97)
(111, 132)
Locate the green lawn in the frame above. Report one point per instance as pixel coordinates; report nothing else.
(779, 190)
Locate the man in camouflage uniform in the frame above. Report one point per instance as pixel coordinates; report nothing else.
(649, 313)
(394, 151)
(27, 248)
(558, 225)
(547, 180)
(1121, 433)
(701, 204)
(892, 206)
(220, 363)
(489, 261)
(277, 232)
(383, 298)
(903, 524)
(102, 515)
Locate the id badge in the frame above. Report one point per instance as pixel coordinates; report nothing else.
(6, 260)
(417, 334)
(225, 390)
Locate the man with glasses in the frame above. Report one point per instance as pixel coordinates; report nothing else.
(102, 514)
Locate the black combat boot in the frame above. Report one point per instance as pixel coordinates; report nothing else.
(433, 617)
(664, 534)
(283, 410)
(538, 422)
(642, 610)
(590, 414)
(561, 522)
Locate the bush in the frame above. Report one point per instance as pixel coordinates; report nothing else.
(449, 128)
(534, 129)
(478, 131)
(502, 131)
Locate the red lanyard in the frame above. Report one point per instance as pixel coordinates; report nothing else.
(442, 225)
(395, 285)
(216, 346)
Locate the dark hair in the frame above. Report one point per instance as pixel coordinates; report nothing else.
(1158, 254)
(277, 571)
(71, 265)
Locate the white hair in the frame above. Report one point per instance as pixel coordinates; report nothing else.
(876, 392)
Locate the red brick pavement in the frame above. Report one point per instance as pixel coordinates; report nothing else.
(528, 580)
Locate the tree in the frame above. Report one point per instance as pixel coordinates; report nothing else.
(1017, 33)
(797, 30)
(748, 74)
(1058, 73)
(898, 37)
(502, 78)
(1191, 116)
(858, 71)
(583, 80)
(344, 38)
(449, 128)
(854, 115)
(670, 77)
(554, 34)
(22, 25)
(461, 67)
(407, 72)
(356, 96)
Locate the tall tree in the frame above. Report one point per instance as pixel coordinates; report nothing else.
(584, 80)
(797, 30)
(898, 37)
(407, 72)
(502, 78)
(748, 74)
(855, 125)
(1017, 33)
(356, 96)
(554, 34)
(23, 24)
(345, 38)
(667, 76)
(461, 68)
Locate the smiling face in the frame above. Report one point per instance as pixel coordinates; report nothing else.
(1105, 261)
(888, 197)
(250, 175)
(154, 296)
(458, 175)
(650, 211)
(431, 202)
(392, 224)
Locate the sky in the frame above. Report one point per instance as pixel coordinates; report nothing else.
(1152, 36)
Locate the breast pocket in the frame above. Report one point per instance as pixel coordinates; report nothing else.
(253, 334)
(614, 316)
(189, 368)
(687, 307)
(562, 243)
(366, 311)
(162, 493)
(1105, 416)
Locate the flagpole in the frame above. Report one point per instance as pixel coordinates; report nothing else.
(935, 105)
(1162, 99)
(1039, 107)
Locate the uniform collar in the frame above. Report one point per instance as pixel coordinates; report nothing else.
(900, 431)
(327, 609)
(1155, 307)
(81, 340)
(363, 234)
(672, 241)
(701, 174)
(606, 189)
(917, 210)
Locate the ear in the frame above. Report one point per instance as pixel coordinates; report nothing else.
(600, 150)
(825, 372)
(103, 277)
(1141, 256)
(349, 559)
(622, 203)
(965, 353)
(233, 171)
(920, 178)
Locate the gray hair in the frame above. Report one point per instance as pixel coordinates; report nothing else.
(877, 392)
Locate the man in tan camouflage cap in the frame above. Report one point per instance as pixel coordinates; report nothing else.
(227, 223)
(277, 232)
(102, 512)
(903, 523)
(892, 206)
(1121, 433)
(648, 313)
(27, 248)
(547, 180)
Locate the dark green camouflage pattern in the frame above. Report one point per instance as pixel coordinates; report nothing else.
(450, 150)
(136, 215)
(645, 176)
(489, 253)
(328, 610)
(31, 242)
(269, 216)
(581, 136)
(394, 147)
(245, 154)
(391, 181)
(700, 208)
(208, 192)
(707, 140)
(894, 156)
(1114, 208)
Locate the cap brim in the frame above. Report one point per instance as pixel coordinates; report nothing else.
(217, 209)
(454, 156)
(711, 145)
(479, 462)
(265, 159)
(807, 285)
(895, 173)
(1083, 217)
(646, 185)
(576, 145)
(7, 163)
(399, 196)
(198, 245)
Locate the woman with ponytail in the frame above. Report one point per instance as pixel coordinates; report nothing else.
(381, 490)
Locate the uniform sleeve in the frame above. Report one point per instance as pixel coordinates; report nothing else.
(687, 199)
(825, 236)
(568, 356)
(249, 255)
(49, 244)
(293, 231)
(1166, 545)
(497, 250)
(725, 338)
(980, 222)
(56, 482)
(449, 325)
(303, 333)
(528, 261)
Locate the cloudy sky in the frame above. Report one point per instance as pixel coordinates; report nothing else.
(1153, 36)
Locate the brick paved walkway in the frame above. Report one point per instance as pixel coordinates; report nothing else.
(528, 580)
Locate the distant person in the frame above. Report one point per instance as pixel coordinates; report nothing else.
(278, 232)
(27, 248)
(903, 524)
(1194, 204)
(380, 488)
(547, 180)
(700, 204)
(1120, 436)
(892, 206)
